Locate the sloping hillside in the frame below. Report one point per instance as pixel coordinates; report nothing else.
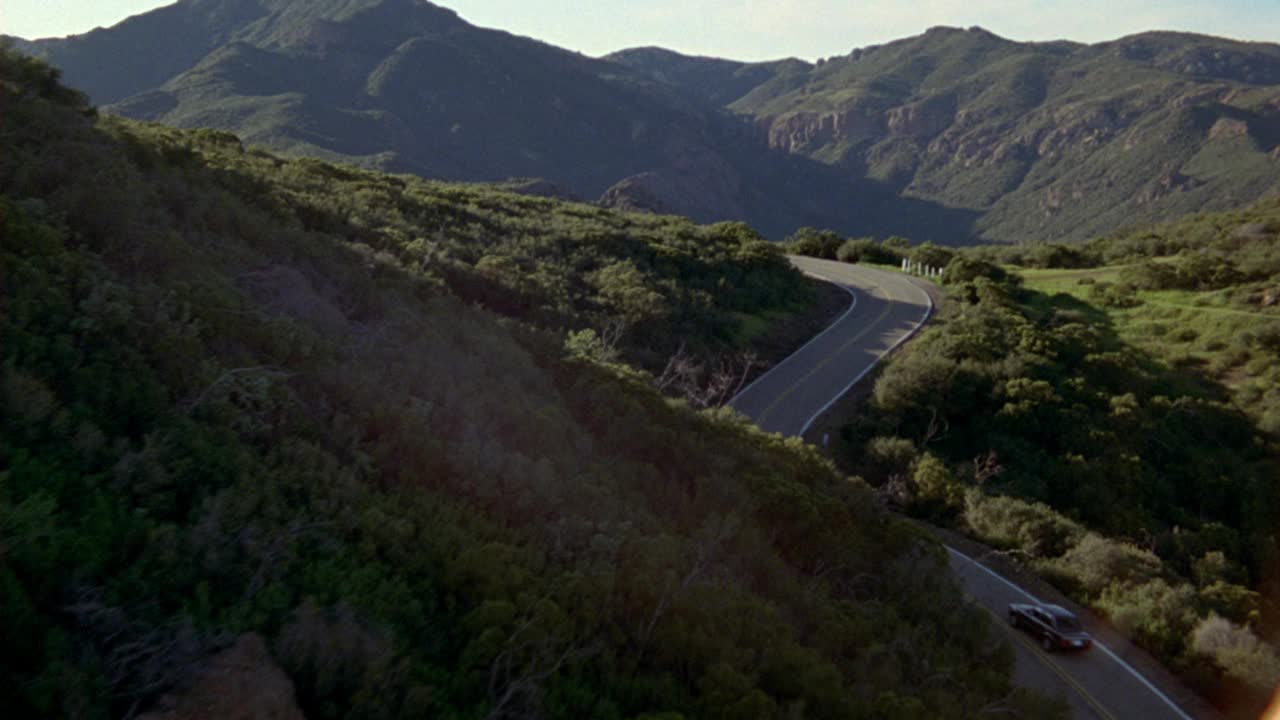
(1042, 140)
(405, 86)
(1107, 413)
(322, 426)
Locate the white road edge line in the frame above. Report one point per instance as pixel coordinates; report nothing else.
(1144, 681)
(1097, 644)
(852, 306)
(928, 313)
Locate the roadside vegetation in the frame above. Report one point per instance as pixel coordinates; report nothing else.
(1108, 413)
(381, 424)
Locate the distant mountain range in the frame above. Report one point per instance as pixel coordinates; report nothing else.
(952, 136)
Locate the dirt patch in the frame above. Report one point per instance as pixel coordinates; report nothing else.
(241, 683)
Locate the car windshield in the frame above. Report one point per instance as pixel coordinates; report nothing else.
(1068, 623)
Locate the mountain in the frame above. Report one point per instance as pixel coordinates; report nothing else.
(953, 136)
(1041, 140)
(712, 80)
(405, 86)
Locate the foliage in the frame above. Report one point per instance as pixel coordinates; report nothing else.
(1238, 651)
(1204, 290)
(867, 250)
(1098, 565)
(1158, 615)
(813, 243)
(828, 245)
(243, 394)
(1033, 529)
(963, 269)
(1122, 472)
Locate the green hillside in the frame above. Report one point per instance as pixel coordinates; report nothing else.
(336, 415)
(1039, 141)
(712, 80)
(1108, 413)
(406, 86)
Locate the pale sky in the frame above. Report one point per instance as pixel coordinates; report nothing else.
(759, 29)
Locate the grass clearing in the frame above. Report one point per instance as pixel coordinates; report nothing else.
(1208, 330)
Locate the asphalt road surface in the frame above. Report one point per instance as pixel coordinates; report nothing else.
(1098, 684)
(886, 309)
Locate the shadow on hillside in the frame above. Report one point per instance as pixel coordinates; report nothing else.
(1178, 378)
(785, 192)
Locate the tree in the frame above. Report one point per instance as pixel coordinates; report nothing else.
(813, 243)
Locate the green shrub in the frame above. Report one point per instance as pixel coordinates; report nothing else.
(963, 269)
(1234, 602)
(885, 457)
(867, 250)
(1238, 651)
(1032, 528)
(932, 255)
(1114, 295)
(1159, 616)
(935, 488)
(1096, 564)
(813, 243)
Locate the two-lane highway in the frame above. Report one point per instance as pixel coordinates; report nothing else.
(886, 309)
(1098, 684)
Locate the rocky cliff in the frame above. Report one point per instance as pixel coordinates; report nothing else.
(1044, 141)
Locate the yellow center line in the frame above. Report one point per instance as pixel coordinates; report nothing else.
(831, 356)
(1044, 657)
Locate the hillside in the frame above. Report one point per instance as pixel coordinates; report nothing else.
(326, 430)
(712, 80)
(405, 86)
(1039, 141)
(1108, 413)
(952, 136)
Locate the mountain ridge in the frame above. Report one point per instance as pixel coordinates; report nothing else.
(955, 135)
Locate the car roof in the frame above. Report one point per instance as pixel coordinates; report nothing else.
(1058, 610)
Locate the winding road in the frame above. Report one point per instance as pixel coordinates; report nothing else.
(886, 310)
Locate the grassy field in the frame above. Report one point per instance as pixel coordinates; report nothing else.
(1211, 331)
(1067, 281)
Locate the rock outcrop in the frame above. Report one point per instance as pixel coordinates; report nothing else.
(241, 683)
(923, 119)
(801, 133)
(1227, 128)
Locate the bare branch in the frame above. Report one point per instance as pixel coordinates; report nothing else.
(986, 467)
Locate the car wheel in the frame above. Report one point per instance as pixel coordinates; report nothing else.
(1047, 643)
